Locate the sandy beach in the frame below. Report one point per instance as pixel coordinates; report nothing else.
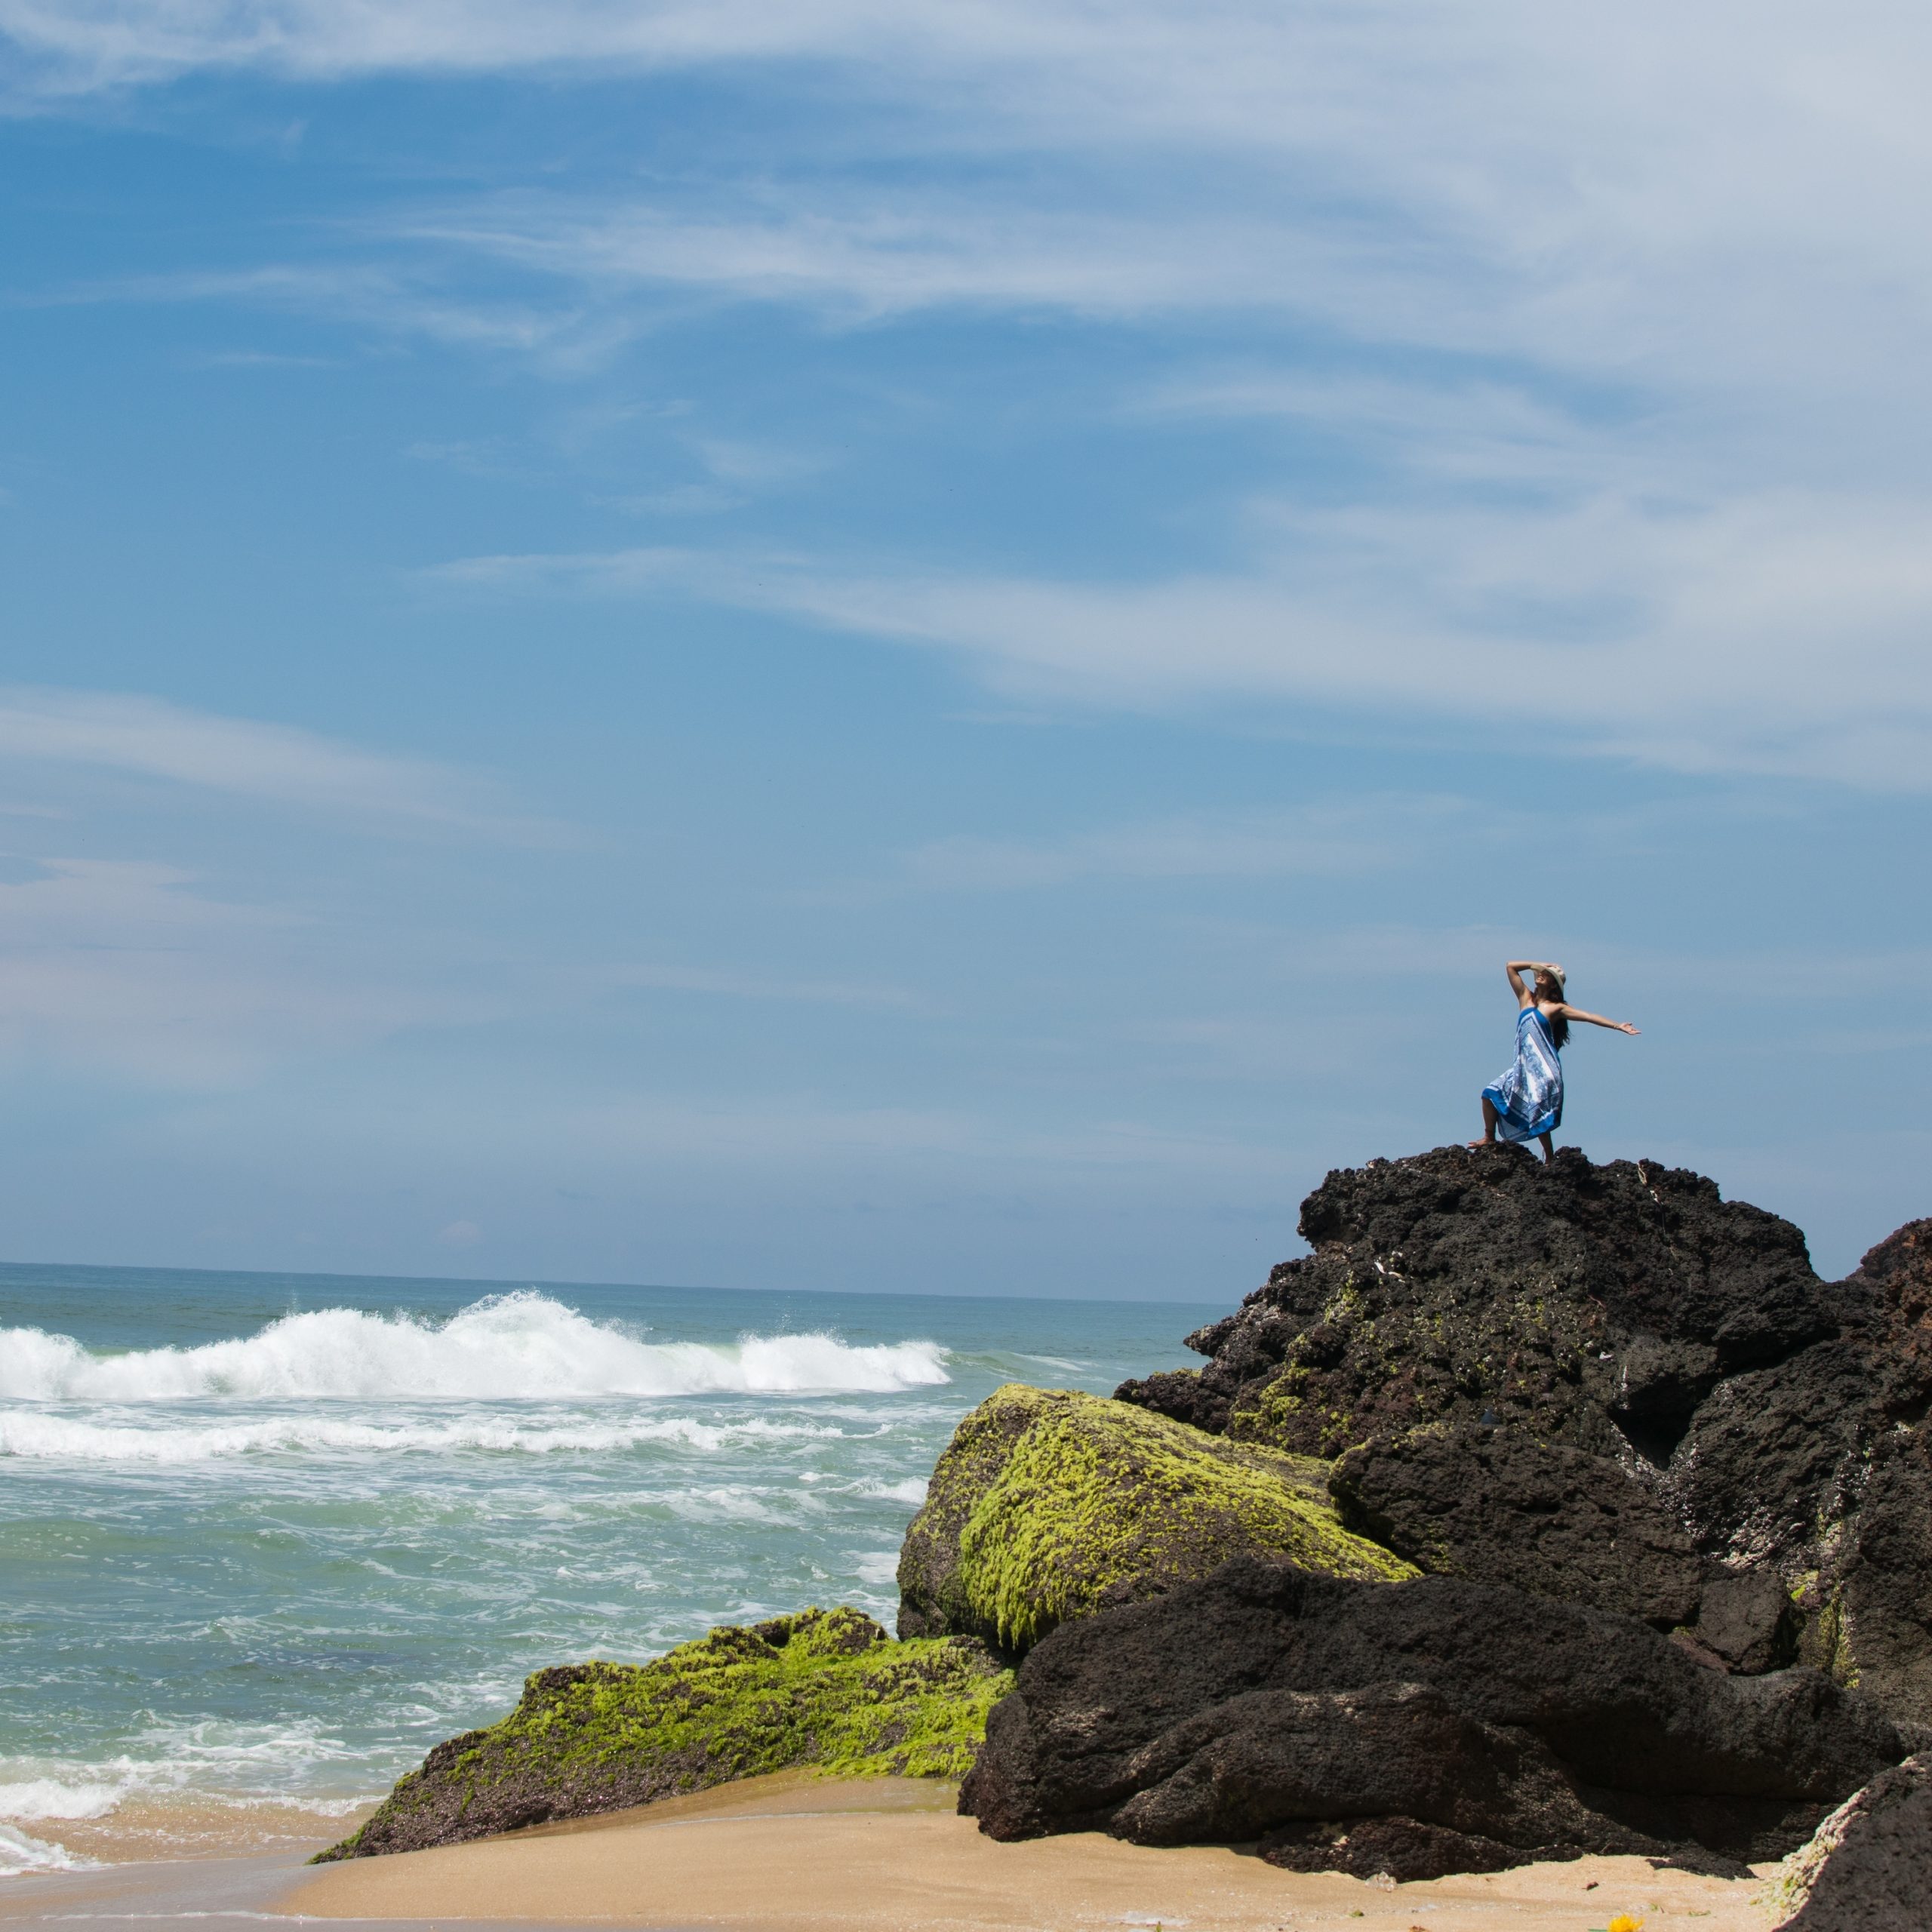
(790, 1854)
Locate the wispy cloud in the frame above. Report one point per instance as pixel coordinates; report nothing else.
(1716, 193)
(137, 970)
(275, 764)
(727, 983)
(383, 299)
(1778, 634)
(1344, 839)
(854, 254)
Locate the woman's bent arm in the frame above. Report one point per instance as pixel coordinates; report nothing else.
(1516, 969)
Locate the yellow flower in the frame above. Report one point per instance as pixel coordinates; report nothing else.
(1623, 1922)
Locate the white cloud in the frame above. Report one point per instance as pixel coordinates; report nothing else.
(1335, 840)
(1782, 634)
(1656, 282)
(1639, 191)
(134, 969)
(274, 763)
(727, 983)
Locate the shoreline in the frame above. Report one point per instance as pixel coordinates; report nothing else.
(792, 1853)
(177, 1827)
(795, 1853)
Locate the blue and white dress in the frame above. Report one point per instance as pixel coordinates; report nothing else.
(1528, 1099)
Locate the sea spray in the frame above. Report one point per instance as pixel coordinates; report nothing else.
(521, 1346)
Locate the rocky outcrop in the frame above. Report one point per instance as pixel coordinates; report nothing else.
(1627, 1372)
(1497, 1505)
(1643, 1457)
(1596, 1306)
(825, 1691)
(1048, 1505)
(1333, 1721)
(1868, 1868)
(1896, 1279)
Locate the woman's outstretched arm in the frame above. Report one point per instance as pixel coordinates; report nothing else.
(1596, 1019)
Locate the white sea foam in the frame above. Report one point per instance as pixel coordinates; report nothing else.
(504, 1348)
(53, 1792)
(19, 1853)
(912, 1490)
(35, 1435)
(35, 1798)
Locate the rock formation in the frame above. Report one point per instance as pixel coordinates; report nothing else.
(1496, 1505)
(1869, 1867)
(1440, 1724)
(825, 1689)
(1654, 1470)
(1583, 1380)
(1048, 1505)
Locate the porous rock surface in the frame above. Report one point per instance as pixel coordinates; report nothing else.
(1628, 1313)
(1869, 1867)
(1432, 1725)
(825, 1690)
(1498, 1505)
(1598, 1306)
(1048, 1504)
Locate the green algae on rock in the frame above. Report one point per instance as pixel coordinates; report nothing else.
(1049, 1505)
(825, 1691)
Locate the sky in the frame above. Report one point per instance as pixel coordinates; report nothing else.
(941, 648)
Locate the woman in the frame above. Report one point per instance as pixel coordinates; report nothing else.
(1527, 1103)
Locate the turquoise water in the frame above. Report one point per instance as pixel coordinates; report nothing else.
(265, 1539)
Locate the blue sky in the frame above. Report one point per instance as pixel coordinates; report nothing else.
(941, 648)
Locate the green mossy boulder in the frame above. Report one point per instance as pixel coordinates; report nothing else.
(1048, 1505)
(827, 1691)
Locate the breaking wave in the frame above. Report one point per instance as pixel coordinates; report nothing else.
(513, 1347)
(20, 1852)
(39, 1436)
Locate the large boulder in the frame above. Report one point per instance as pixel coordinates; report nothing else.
(825, 1690)
(1498, 1506)
(1048, 1504)
(1896, 1277)
(1266, 1703)
(1597, 1306)
(1869, 1867)
(1598, 1325)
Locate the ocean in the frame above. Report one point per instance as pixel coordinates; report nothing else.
(265, 1539)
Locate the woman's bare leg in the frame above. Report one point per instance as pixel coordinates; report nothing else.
(1548, 1151)
(1488, 1124)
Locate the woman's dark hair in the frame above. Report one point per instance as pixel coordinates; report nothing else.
(1559, 1027)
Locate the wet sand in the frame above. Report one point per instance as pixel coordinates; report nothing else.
(787, 1854)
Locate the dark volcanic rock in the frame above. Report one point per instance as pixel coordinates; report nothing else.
(1773, 1454)
(1405, 1848)
(1597, 1306)
(1628, 1314)
(1897, 1276)
(1878, 1595)
(1497, 1506)
(1748, 1621)
(1265, 1698)
(1182, 1394)
(1869, 1868)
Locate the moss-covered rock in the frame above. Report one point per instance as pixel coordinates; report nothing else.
(1048, 1505)
(826, 1691)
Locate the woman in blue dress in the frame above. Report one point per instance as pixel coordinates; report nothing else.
(1527, 1103)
